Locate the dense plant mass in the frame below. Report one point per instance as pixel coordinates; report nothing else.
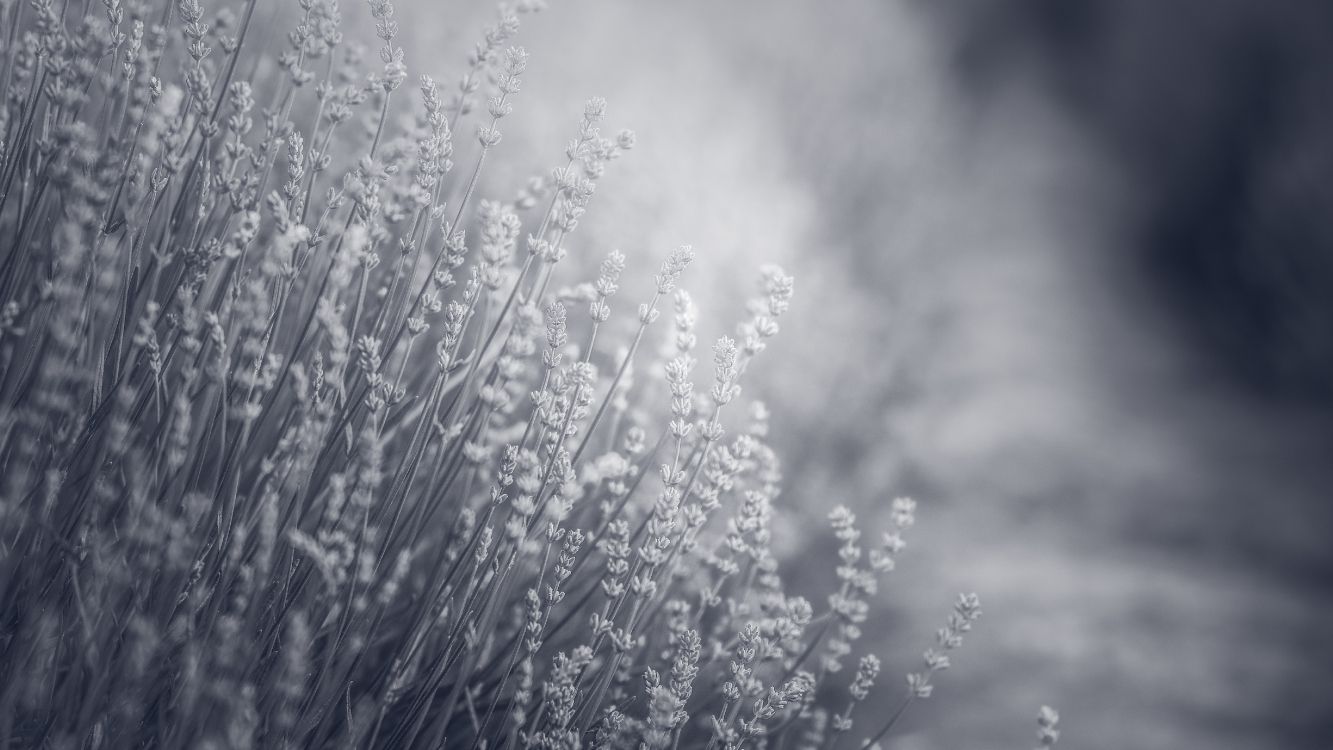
(305, 444)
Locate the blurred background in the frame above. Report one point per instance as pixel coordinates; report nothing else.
(1064, 275)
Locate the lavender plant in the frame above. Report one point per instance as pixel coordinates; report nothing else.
(301, 448)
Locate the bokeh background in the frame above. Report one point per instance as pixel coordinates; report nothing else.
(1064, 276)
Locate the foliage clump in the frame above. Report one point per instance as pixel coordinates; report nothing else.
(301, 448)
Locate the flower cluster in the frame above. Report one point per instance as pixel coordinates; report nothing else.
(298, 454)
